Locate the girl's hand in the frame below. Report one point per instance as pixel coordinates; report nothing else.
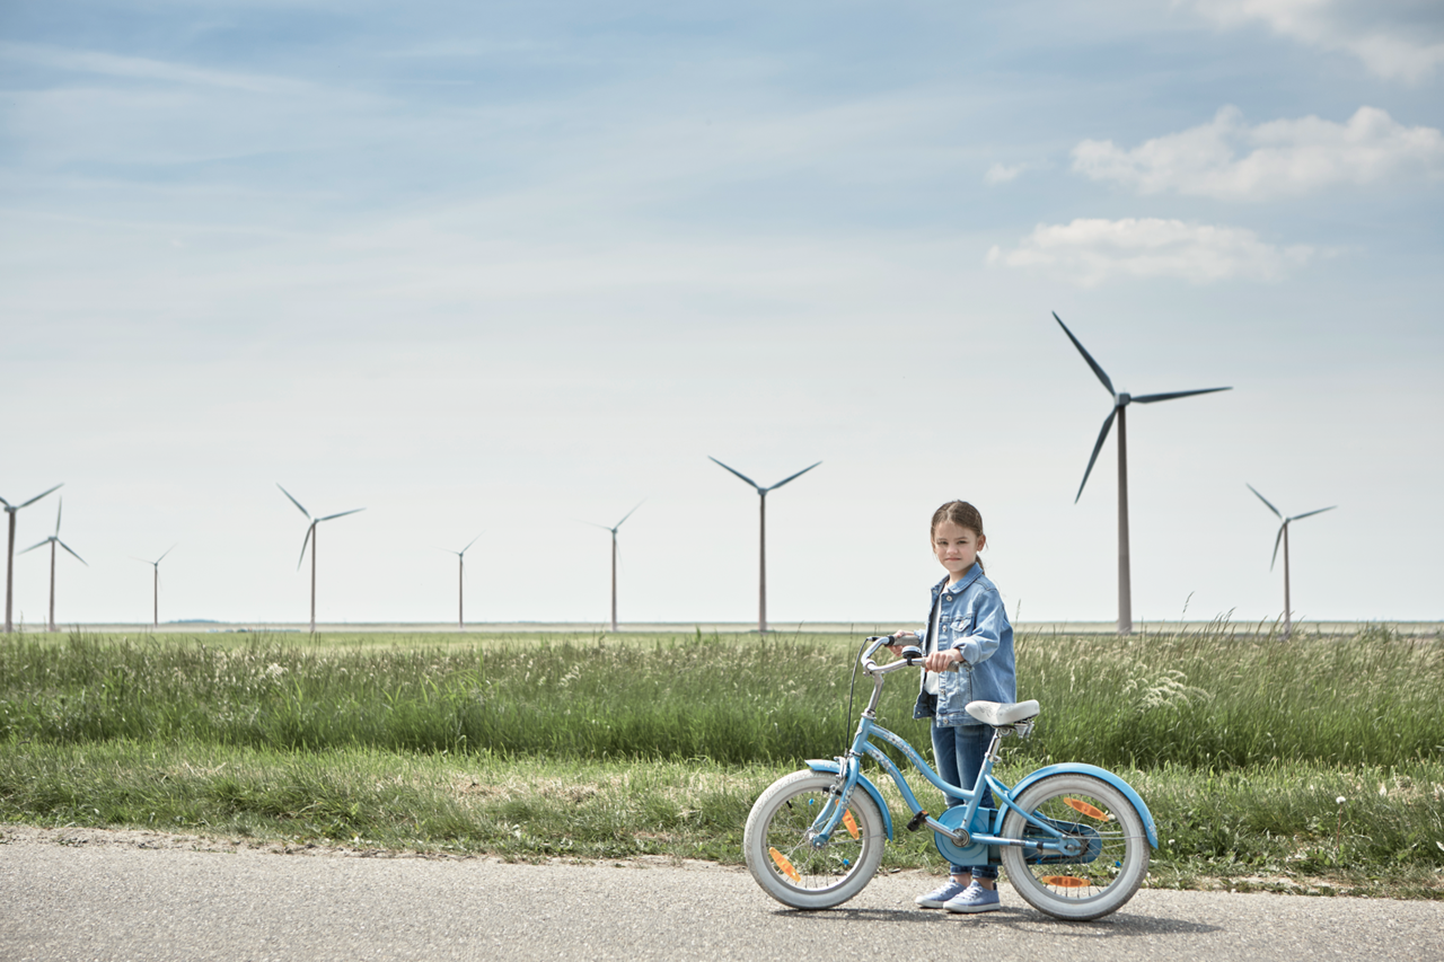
(943, 660)
(897, 647)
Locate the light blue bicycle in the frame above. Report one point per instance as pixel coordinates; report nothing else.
(1071, 837)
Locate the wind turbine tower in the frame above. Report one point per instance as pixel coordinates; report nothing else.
(1283, 536)
(461, 582)
(762, 535)
(1120, 409)
(155, 598)
(613, 530)
(311, 536)
(54, 540)
(10, 510)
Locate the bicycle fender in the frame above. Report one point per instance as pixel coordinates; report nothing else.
(830, 765)
(1079, 768)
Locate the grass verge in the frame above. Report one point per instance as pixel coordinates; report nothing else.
(595, 746)
(1277, 827)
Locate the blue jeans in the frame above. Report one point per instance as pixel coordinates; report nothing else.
(959, 754)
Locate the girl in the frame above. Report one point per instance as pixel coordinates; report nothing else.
(968, 649)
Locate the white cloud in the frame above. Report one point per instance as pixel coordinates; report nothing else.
(999, 174)
(1287, 157)
(1386, 35)
(1091, 251)
(141, 68)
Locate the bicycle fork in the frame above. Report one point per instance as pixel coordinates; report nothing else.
(834, 810)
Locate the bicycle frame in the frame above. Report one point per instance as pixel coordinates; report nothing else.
(849, 770)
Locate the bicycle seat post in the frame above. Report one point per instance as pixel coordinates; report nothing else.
(993, 753)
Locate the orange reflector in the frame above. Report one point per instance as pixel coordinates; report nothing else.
(1086, 809)
(783, 865)
(851, 823)
(1065, 881)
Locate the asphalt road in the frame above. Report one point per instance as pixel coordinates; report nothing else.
(136, 896)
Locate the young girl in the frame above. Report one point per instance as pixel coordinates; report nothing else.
(968, 649)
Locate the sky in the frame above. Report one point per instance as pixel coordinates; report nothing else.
(505, 271)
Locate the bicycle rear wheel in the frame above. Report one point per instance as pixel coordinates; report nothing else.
(778, 845)
(1113, 855)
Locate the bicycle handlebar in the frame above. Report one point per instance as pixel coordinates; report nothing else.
(873, 668)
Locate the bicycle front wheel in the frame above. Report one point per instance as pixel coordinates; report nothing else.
(1111, 856)
(777, 843)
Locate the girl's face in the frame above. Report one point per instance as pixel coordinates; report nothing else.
(956, 548)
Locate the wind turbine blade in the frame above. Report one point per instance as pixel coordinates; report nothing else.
(39, 496)
(1086, 356)
(294, 501)
(1102, 436)
(34, 546)
(797, 475)
(1276, 511)
(738, 473)
(468, 545)
(1307, 514)
(628, 514)
(57, 516)
(167, 551)
(304, 543)
(1277, 538)
(68, 548)
(594, 524)
(1150, 398)
(341, 515)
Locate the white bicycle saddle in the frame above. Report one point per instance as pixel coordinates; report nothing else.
(999, 714)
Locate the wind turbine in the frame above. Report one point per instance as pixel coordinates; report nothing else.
(10, 510)
(311, 536)
(1283, 536)
(613, 530)
(54, 540)
(762, 537)
(1120, 406)
(461, 582)
(156, 565)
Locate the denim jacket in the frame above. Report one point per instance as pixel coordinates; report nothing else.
(972, 619)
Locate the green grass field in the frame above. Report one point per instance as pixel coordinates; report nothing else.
(593, 746)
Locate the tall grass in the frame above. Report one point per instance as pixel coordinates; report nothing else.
(692, 697)
(1212, 700)
(1219, 699)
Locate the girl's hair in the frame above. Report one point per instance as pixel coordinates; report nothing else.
(962, 514)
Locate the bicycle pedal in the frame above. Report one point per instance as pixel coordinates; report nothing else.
(917, 821)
